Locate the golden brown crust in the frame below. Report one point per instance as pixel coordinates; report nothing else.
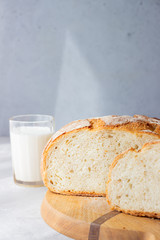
(78, 193)
(114, 163)
(136, 124)
(137, 213)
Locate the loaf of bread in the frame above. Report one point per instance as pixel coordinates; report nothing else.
(134, 181)
(76, 160)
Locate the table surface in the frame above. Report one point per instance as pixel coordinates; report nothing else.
(20, 206)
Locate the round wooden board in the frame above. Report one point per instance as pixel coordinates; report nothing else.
(91, 218)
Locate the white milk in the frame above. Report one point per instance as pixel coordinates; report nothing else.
(27, 144)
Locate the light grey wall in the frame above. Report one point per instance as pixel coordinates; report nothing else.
(78, 59)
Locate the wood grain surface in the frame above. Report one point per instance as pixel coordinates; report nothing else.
(91, 218)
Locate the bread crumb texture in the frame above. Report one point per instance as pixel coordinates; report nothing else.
(134, 181)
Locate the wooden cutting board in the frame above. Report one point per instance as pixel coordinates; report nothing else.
(91, 218)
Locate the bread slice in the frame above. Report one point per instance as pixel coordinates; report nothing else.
(77, 158)
(134, 181)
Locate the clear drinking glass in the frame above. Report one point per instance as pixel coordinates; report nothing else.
(29, 135)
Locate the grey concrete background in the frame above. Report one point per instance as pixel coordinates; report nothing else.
(78, 59)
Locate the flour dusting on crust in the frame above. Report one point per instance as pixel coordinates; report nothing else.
(119, 120)
(147, 119)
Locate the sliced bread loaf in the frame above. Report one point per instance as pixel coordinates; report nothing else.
(77, 158)
(134, 181)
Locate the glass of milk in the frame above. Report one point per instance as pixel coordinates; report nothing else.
(29, 134)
